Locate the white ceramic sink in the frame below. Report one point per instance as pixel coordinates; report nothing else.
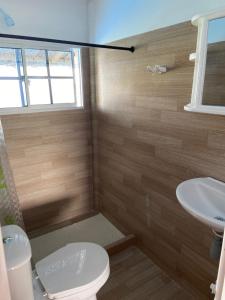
(204, 198)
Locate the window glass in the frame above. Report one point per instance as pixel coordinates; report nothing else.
(8, 65)
(35, 62)
(39, 91)
(10, 93)
(62, 90)
(60, 63)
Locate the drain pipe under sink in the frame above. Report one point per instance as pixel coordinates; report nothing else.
(216, 246)
(219, 288)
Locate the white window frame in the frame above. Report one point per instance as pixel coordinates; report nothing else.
(200, 58)
(43, 107)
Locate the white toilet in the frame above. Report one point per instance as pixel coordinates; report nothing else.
(74, 272)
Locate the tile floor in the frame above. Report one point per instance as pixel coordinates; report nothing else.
(135, 277)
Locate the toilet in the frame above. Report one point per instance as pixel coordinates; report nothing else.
(74, 272)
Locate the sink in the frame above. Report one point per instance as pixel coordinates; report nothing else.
(204, 199)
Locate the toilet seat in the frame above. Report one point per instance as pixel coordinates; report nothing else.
(76, 268)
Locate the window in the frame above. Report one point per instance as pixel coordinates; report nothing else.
(37, 77)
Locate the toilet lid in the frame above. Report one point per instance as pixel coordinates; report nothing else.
(74, 266)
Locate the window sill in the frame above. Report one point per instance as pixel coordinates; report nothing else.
(38, 109)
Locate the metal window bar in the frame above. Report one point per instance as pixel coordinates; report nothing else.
(26, 80)
(9, 78)
(49, 78)
(41, 77)
(21, 78)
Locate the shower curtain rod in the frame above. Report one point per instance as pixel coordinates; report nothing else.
(31, 38)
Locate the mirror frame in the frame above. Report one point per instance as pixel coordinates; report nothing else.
(200, 57)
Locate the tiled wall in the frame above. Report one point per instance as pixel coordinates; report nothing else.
(146, 144)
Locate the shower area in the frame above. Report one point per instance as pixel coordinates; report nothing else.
(48, 166)
(47, 132)
(46, 156)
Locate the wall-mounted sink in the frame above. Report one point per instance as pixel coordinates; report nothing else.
(204, 198)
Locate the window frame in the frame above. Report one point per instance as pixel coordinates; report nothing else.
(15, 44)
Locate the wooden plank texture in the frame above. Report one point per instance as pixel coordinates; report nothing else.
(120, 245)
(135, 277)
(50, 155)
(146, 144)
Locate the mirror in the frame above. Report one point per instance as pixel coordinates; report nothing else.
(214, 83)
(208, 89)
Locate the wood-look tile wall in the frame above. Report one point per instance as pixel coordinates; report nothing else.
(147, 144)
(51, 158)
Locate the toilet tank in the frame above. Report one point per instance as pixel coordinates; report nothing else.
(18, 261)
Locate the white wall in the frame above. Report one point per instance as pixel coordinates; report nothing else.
(111, 20)
(62, 19)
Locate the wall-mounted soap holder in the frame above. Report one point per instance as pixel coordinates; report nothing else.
(157, 69)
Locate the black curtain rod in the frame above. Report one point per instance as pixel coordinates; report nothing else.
(31, 38)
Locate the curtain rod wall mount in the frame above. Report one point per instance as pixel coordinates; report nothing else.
(56, 41)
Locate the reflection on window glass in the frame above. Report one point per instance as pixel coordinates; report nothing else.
(215, 65)
(8, 66)
(10, 93)
(39, 91)
(60, 63)
(62, 90)
(36, 62)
